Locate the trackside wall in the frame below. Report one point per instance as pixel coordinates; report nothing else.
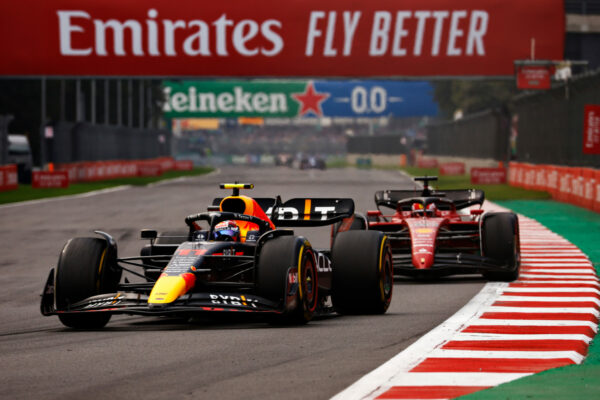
(574, 185)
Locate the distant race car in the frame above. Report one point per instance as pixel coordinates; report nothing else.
(435, 234)
(233, 258)
(313, 162)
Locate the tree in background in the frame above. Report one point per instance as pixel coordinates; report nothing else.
(471, 96)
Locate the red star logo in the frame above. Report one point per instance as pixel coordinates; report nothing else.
(311, 100)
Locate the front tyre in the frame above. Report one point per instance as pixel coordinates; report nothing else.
(86, 267)
(287, 274)
(363, 274)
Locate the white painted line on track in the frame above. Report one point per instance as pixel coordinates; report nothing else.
(454, 379)
(74, 196)
(461, 337)
(557, 299)
(443, 353)
(557, 310)
(102, 191)
(387, 374)
(573, 278)
(556, 289)
(532, 322)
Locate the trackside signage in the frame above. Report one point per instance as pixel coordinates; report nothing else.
(297, 98)
(591, 129)
(304, 38)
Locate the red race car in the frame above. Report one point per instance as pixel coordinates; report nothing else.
(436, 233)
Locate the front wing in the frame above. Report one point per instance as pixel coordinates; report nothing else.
(447, 264)
(137, 303)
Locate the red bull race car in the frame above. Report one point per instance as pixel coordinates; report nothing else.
(434, 233)
(236, 257)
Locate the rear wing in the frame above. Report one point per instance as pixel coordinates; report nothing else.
(304, 212)
(461, 198)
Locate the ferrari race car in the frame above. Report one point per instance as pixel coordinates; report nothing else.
(233, 258)
(435, 234)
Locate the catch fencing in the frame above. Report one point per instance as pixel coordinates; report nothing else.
(387, 144)
(483, 135)
(74, 142)
(549, 125)
(544, 127)
(4, 121)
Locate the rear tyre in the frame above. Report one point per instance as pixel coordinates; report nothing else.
(86, 267)
(359, 223)
(281, 259)
(500, 241)
(363, 273)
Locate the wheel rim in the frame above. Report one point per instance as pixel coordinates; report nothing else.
(309, 283)
(386, 280)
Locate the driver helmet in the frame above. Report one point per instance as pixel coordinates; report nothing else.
(227, 231)
(431, 210)
(417, 209)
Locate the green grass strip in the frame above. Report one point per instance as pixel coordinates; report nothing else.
(582, 228)
(26, 192)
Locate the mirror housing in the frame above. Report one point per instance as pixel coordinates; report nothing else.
(148, 234)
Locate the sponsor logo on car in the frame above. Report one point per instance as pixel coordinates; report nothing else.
(240, 301)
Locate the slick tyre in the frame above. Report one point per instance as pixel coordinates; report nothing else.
(359, 223)
(86, 268)
(281, 260)
(363, 275)
(500, 241)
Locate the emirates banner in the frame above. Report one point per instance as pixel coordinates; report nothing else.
(297, 98)
(305, 38)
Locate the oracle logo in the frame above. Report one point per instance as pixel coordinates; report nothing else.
(158, 37)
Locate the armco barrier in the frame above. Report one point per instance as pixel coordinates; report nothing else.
(573, 185)
(8, 177)
(452, 168)
(488, 176)
(150, 168)
(423, 162)
(47, 179)
(184, 165)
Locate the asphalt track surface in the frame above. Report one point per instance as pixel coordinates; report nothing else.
(207, 358)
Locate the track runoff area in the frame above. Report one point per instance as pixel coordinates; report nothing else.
(545, 319)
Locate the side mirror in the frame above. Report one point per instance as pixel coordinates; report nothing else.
(476, 211)
(148, 234)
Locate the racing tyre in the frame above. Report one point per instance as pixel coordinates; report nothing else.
(287, 273)
(358, 224)
(86, 267)
(500, 241)
(363, 273)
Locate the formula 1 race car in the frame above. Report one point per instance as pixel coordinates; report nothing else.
(435, 234)
(233, 258)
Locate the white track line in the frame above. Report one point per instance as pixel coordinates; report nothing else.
(74, 196)
(443, 353)
(532, 322)
(98, 192)
(484, 337)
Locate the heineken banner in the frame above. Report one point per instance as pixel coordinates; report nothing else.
(295, 98)
(266, 38)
